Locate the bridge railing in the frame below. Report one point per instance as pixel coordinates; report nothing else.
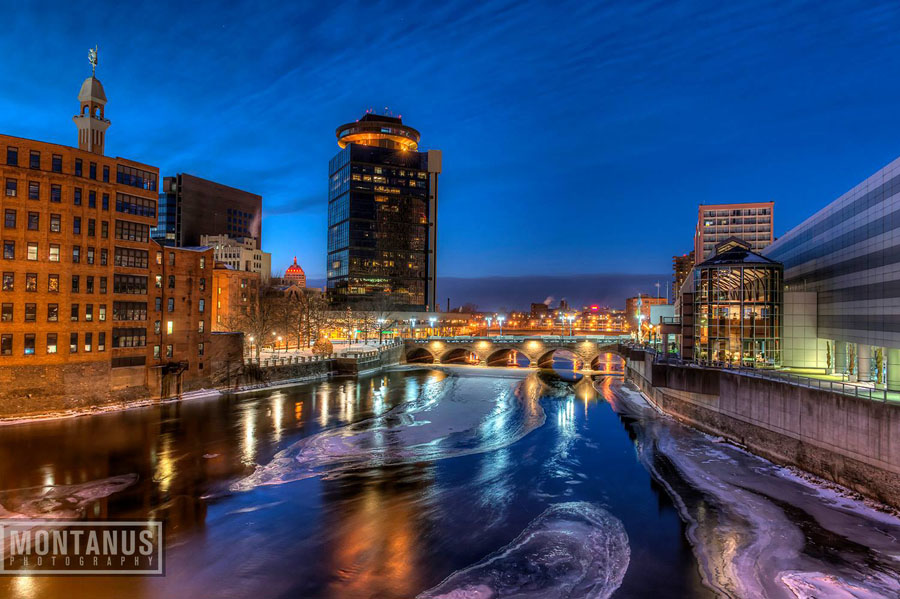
(517, 339)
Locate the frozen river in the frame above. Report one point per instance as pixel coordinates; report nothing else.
(457, 482)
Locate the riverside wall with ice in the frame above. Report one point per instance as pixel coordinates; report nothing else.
(852, 441)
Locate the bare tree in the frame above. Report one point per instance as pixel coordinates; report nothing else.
(259, 319)
(305, 315)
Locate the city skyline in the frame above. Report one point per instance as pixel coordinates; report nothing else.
(702, 132)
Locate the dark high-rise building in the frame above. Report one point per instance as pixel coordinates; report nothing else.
(382, 216)
(681, 268)
(190, 207)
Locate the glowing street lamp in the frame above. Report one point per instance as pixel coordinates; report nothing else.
(489, 319)
(412, 327)
(380, 329)
(500, 320)
(571, 319)
(431, 321)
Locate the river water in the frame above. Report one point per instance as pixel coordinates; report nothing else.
(442, 482)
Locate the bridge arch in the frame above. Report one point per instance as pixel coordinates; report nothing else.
(460, 355)
(508, 356)
(608, 361)
(419, 355)
(546, 359)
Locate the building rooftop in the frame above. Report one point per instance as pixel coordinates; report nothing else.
(379, 130)
(92, 89)
(735, 251)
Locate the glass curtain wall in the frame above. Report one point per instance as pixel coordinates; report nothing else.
(738, 318)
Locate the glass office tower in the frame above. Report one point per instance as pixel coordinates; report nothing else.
(382, 217)
(738, 308)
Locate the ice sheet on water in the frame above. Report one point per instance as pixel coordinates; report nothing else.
(751, 525)
(60, 501)
(572, 550)
(450, 417)
(817, 585)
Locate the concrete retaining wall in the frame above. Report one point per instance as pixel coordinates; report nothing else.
(852, 441)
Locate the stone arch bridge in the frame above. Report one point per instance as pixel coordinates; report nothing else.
(586, 352)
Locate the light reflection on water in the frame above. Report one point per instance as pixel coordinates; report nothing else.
(382, 531)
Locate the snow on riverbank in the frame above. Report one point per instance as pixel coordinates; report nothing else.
(759, 530)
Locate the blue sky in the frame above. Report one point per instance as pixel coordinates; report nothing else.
(577, 137)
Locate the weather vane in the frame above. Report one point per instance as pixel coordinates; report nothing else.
(92, 58)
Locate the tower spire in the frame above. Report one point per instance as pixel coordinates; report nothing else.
(91, 121)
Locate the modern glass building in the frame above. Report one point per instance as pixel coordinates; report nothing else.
(738, 307)
(190, 207)
(382, 216)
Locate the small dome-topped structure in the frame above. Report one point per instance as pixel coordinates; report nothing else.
(91, 119)
(92, 91)
(295, 274)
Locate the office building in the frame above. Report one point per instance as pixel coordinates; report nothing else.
(848, 255)
(241, 253)
(382, 216)
(681, 269)
(752, 222)
(190, 207)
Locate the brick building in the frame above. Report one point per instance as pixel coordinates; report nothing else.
(75, 270)
(234, 290)
(182, 280)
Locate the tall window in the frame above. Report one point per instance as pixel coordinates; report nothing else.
(51, 343)
(29, 344)
(12, 188)
(12, 156)
(34, 190)
(56, 163)
(34, 159)
(56, 194)
(78, 167)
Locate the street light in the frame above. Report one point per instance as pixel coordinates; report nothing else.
(500, 320)
(380, 331)
(571, 319)
(412, 327)
(431, 321)
(489, 319)
(279, 342)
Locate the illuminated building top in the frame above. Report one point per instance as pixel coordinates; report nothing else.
(379, 130)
